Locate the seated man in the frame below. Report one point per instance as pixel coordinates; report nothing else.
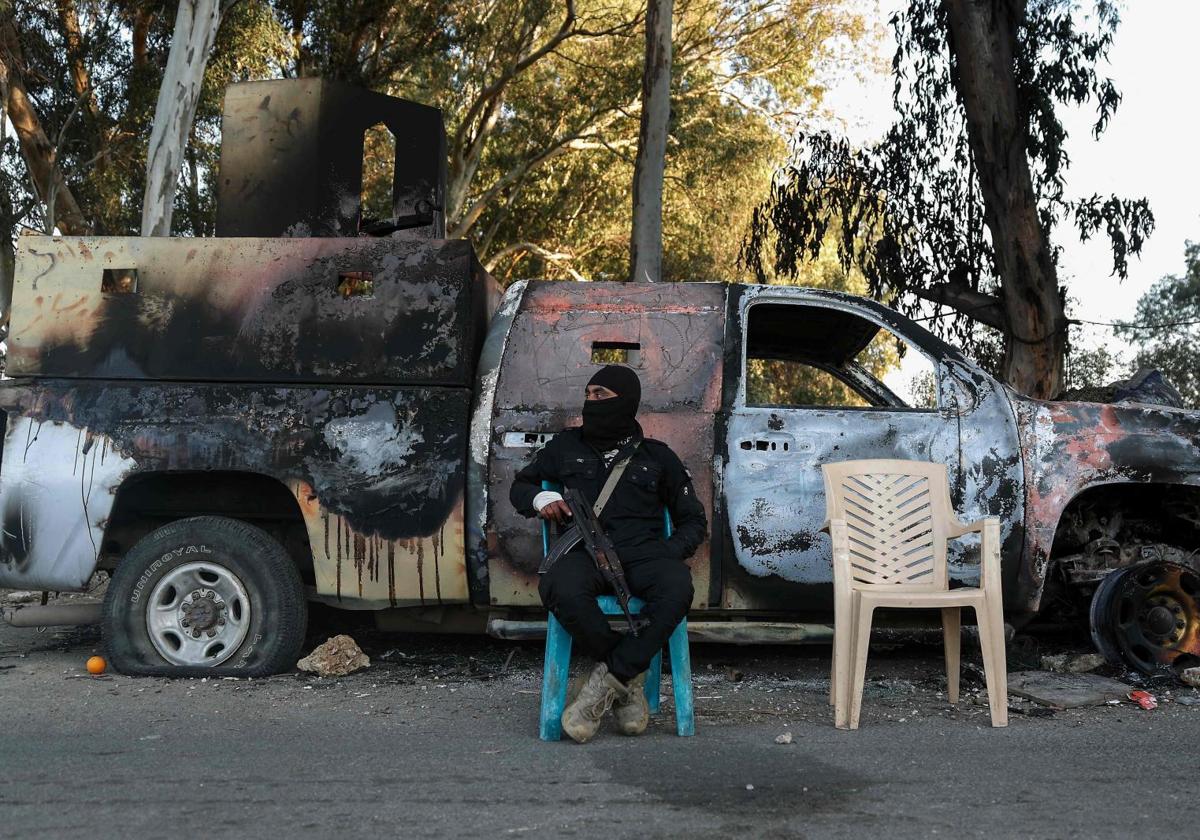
(583, 458)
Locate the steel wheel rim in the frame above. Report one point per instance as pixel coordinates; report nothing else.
(198, 615)
(1156, 616)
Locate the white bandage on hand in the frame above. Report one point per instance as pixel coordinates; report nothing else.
(544, 498)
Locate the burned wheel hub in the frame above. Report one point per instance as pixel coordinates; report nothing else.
(1147, 617)
(201, 612)
(1160, 621)
(198, 615)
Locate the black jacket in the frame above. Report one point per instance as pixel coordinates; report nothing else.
(633, 517)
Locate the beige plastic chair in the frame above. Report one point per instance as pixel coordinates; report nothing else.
(889, 521)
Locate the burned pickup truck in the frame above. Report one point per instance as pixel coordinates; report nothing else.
(240, 425)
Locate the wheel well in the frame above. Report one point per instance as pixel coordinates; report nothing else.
(1127, 512)
(147, 501)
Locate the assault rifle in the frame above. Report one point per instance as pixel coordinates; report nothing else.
(585, 528)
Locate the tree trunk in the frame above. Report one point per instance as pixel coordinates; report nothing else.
(983, 41)
(196, 27)
(140, 36)
(68, 19)
(39, 154)
(645, 240)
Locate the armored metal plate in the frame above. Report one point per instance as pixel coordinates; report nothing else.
(347, 311)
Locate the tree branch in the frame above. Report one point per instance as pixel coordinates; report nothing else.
(37, 151)
(987, 309)
(480, 117)
(558, 258)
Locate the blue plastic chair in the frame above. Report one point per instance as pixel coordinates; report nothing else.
(558, 661)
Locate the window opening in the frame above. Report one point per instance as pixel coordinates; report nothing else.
(616, 353)
(119, 281)
(376, 198)
(819, 357)
(356, 284)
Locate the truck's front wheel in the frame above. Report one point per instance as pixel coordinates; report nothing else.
(205, 596)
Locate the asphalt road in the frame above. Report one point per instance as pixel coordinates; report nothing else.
(438, 739)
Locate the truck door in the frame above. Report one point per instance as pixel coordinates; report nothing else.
(671, 334)
(818, 379)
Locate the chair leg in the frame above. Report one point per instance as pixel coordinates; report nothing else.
(681, 680)
(833, 668)
(653, 687)
(843, 637)
(862, 641)
(555, 674)
(952, 635)
(991, 643)
(1000, 719)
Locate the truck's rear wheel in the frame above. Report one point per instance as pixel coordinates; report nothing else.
(205, 596)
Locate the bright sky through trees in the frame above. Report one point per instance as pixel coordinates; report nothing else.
(1148, 149)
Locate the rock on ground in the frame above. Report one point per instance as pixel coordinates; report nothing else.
(337, 657)
(1066, 663)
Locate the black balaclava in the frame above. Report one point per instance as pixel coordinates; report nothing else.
(606, 423)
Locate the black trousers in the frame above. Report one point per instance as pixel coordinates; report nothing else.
(569, 590)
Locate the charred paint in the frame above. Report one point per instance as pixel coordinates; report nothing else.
(378, 461)
(773, 493)
(257, 310)
(547, 359)
(1071, 447)
(292, 160)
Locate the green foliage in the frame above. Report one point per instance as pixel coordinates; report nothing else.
(542, 112)
(908, 211)
(550, 195)
(1166, 328)
(1092, 367)
(100, 130)
(782, 382)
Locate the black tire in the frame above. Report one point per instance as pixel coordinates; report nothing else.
(277, 606)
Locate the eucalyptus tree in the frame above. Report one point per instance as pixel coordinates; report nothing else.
(960, 203)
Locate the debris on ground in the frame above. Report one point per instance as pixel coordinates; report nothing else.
(1191, 676)
(1032, 711)
(1188, 700)
(1067, 663)
(337, 657)
(785, 738)
(1065, 691)
(734, 674)
(21, 596)
(1144, 699)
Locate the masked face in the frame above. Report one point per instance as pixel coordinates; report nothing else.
(607, 422)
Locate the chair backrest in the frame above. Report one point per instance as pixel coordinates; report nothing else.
(897, 514)
(550, 485)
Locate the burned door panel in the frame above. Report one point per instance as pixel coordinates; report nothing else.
(773, 491)
(671, 335)
(776, 500)
(378, 475)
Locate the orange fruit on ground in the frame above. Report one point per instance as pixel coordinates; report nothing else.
(96, 665)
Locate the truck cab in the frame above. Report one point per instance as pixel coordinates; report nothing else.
(755, 387)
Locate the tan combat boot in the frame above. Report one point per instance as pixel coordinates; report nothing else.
(631, 709)
(581, 717)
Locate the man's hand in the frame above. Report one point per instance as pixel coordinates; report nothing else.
(556, 512)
